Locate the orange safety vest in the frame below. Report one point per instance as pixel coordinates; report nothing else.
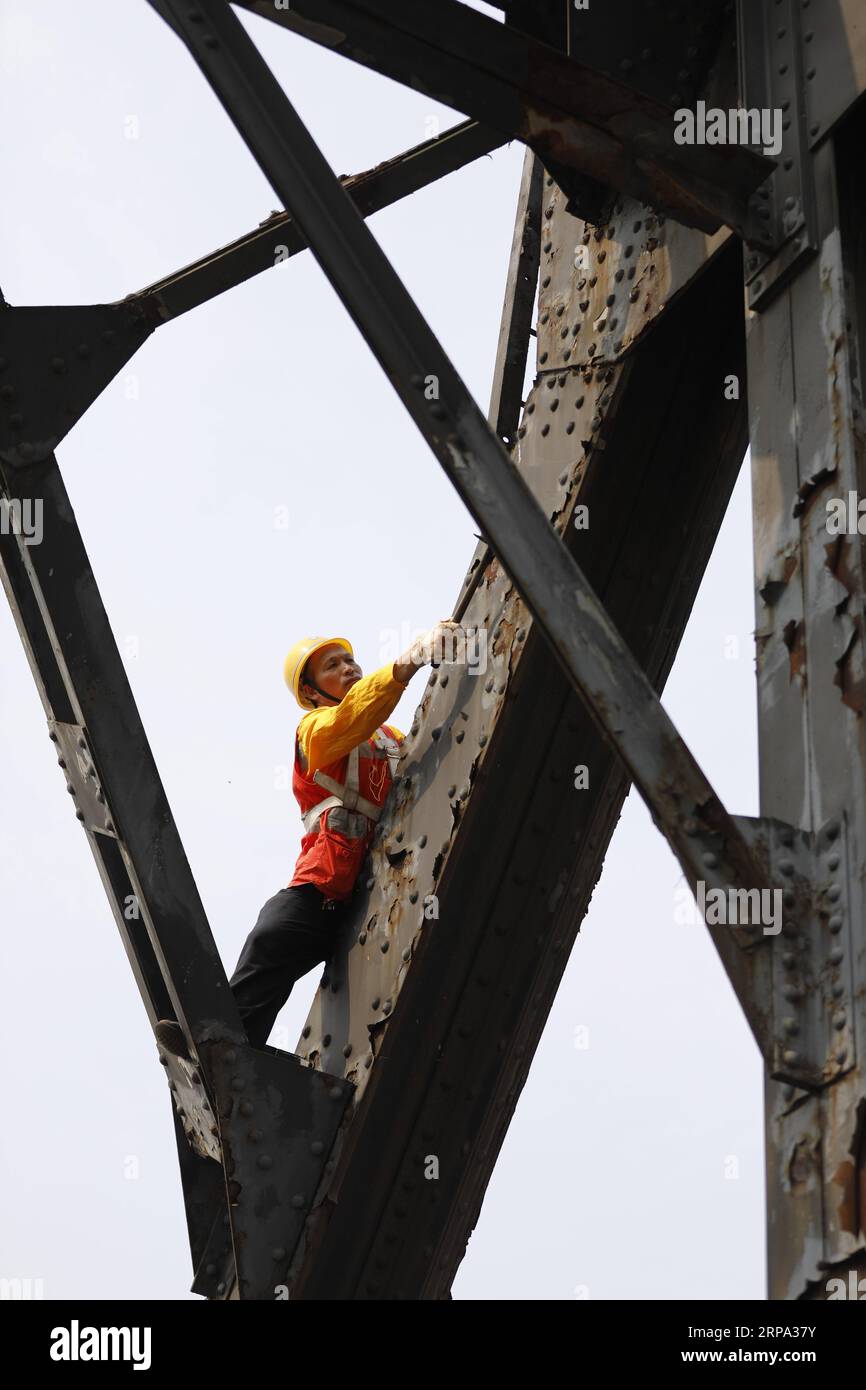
(339, 826)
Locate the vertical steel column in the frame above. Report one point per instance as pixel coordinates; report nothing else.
(805, 356)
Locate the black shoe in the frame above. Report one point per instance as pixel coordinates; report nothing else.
(170, 1036)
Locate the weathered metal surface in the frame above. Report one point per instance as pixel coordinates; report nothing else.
(509, 368)
(575, 117)
(512, 349)
(277, 1123)
(605, 287)
(808, 447)
(833, 36)
(667, 52)
(772, 79)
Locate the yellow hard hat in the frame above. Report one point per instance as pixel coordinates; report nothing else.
(298, 658)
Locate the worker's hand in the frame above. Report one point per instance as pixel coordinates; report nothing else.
(444, 642)
(441, 643)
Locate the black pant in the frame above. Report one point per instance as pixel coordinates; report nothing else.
(294, 931)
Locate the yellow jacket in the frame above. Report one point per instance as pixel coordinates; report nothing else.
(328, 734)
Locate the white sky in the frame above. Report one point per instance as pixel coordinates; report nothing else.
(612, 1181)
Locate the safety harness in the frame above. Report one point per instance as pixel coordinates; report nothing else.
(347, 794)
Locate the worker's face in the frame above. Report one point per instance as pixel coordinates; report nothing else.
(333, 670)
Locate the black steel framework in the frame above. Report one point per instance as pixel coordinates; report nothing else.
(639, 243)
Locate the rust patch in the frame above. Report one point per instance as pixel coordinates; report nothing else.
(801, 1165)
(850, 1178)
(793, 634)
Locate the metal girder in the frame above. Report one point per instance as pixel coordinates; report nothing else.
(772, 63)
(806, 400)
(269, 1122)
(55, 361)
(277, 238)
(575, 117)
(833, 42)
(701, 833)
(509, 368)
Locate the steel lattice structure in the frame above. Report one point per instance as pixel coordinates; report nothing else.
(307, 1170)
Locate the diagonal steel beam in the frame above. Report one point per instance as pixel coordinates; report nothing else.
(278, 238)
(576, 118)
(55, 361)
(587, 645)
(120, 801)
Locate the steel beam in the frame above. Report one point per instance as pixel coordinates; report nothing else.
(119, 799)
(277, 238)
(576, 118)
(806, 400)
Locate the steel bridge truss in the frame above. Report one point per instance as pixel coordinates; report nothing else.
(307, 1171)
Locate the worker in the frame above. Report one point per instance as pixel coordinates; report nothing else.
(344, 763)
